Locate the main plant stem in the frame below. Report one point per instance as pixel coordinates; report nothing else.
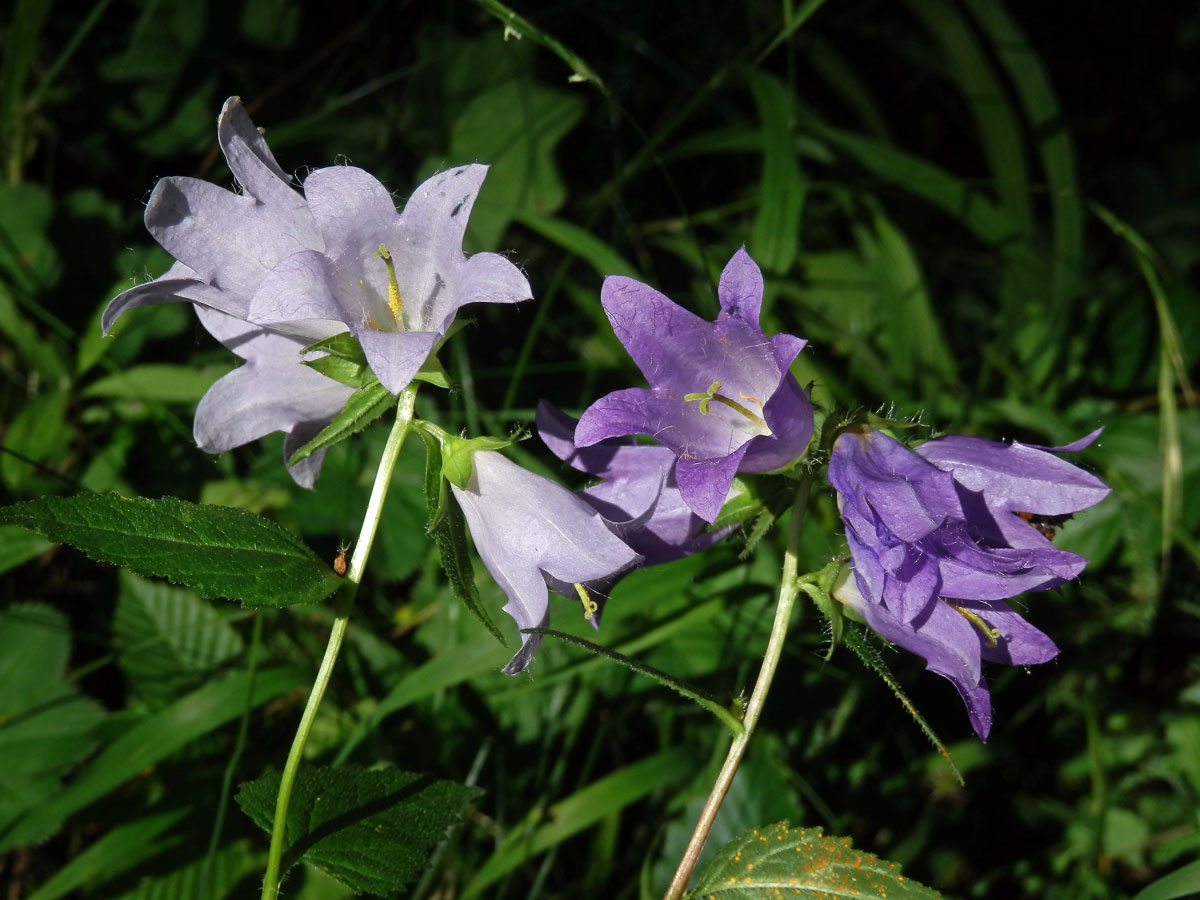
(783, 613)
(345, 601)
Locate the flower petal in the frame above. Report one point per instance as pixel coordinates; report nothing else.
(483, 278)
(179, 283)
(881, 476)
(428, 251)
(949, 644)
(740, 289)
(1019, 643)
(295, 297)
(231, 242)
(260, 176)
(704, 483)
(395, 356)
(1016, 477)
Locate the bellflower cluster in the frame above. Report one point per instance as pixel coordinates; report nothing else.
(271, 270)
(533, 533)
(941, 536)
(720, 396)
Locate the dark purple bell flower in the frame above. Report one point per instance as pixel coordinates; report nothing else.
(941, 536)
(638, 496)
(720, 396)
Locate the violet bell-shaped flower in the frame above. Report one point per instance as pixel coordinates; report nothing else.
(638, 495)
(533, 533)
(941, 536)
(288, 269)
(720, 396)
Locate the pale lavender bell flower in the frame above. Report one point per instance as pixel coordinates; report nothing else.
(941, 536)
(720, 396)
(638, 494)
(276, 270)
(534, 534)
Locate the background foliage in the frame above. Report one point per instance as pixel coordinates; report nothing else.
(984, 217)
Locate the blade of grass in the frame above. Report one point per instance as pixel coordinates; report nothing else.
(1057, 153)
(999, 131)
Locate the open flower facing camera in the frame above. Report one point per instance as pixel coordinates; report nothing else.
(720, 396)
(271, 271)
(943, 535)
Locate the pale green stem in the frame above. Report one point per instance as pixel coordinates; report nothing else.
(345, 600)
(783, 613)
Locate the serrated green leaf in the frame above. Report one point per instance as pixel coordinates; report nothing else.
(365, 405)
(767, 863)
(216, 550)
(167, 638)
(372, 829)
(434, 484)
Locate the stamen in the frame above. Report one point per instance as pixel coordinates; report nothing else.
(395, 301)
(742, 410)
(990, 634)
(589, 605)
(704, 398)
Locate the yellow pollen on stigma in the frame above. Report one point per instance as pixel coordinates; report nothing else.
(395, 301)
(990, 634)
(589, 605)
(707, 397)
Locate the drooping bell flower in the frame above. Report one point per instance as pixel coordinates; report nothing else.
(720, 394)
(638, 495)
(942, 536)
(301, 267)
(534, 534)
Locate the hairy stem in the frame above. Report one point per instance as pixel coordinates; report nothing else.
(783, 612)
(345, 600)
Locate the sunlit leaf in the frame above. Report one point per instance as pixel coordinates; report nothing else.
(767, 863)
(217, 550)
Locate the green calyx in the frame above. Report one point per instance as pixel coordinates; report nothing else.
(457, 452)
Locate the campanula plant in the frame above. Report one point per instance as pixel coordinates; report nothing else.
(338, 304)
